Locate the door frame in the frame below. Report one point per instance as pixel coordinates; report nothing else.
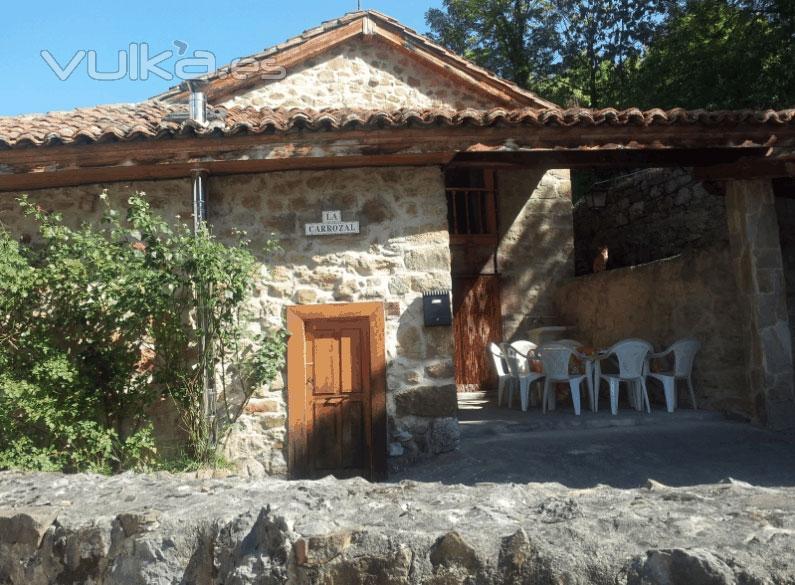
(297, 439)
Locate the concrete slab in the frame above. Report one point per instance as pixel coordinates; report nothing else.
(681, 449)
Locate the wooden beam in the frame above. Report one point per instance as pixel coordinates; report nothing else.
(607, 158)
(220, 88)
(88, 176)
(303, 149)
(418, 139)
(450, 71)
(748, 169)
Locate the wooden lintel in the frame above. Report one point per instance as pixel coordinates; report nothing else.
(472, 140)
(302, 149)
(748, 169)
(608, 158)
(70, 178)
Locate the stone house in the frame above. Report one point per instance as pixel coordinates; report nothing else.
(392, 172)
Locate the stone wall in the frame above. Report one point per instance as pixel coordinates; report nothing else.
(785, 209)
(403, 249)
(137, 529)
(758, 268)
(361, 74)
(536, 249)
(648, 215)
(691, 295)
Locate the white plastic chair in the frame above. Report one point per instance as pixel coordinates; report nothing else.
(503, 372)
(632, 357)
(556, 358)
(684, 352)
(519, 364)
(588, 363)
(525, 349)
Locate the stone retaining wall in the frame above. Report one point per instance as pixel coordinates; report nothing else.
(402, 250)
(648, 215)
(131, 530)
(691, 295)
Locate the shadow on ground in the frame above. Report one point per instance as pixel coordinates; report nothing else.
(681, 449)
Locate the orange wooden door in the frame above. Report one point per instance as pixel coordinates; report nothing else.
(477, 321)
(338, 397)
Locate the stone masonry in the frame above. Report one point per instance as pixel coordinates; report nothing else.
(535, 253)
(648, 215)
(758, 268)
(131, 530)
(361, 74)
(402, 250)
(693, 294)
(785, 209)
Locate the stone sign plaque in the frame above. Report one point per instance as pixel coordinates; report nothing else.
(332, 225)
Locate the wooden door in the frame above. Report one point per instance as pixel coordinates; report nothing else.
(336, 392)
(477, 321)
(338, 396)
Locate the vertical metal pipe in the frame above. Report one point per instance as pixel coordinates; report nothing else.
(203, 318)
(198, 107)
(199, 200)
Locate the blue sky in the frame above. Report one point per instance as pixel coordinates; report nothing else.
(228, 30)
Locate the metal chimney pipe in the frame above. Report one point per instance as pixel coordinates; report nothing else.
(198, 107)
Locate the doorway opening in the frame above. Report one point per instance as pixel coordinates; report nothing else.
(472, 214)
(336, 391)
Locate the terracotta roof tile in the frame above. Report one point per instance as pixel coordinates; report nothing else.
(147, 120)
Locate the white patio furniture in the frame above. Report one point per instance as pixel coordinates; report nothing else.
(519, 355)
(632, 357)
(588, 363)
(504, 375)
(556, 359)
(541, 335)
(684, 353)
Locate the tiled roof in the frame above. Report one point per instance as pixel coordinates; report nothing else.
(412, 38)
(147, 121)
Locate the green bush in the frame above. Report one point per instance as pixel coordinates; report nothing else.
(99, 322)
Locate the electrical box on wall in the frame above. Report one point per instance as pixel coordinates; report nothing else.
(436, 308)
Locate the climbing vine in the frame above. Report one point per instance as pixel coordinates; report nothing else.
(101, 322)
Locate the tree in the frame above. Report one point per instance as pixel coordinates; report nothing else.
(720, 54)
(601, 40)
(571, 51)
(516, 39)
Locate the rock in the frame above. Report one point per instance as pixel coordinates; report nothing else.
(409, 340)
(680, 567)
(444, 435)
(317, 550)
(25, 526)
(165, 529)
(430, 401)
(451, 552)
(258, 405)
(443, 369)
(520, 562)
(305, 296)
(346, 290)
(439, 342)
(428, 258)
